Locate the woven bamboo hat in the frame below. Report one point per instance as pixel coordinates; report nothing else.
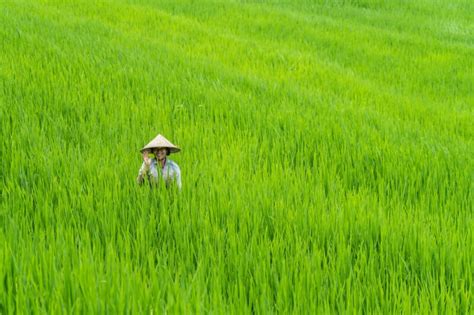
(161, 142)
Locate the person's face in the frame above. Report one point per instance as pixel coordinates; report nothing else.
(160, 153)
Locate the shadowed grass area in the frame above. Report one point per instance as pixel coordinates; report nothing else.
(326, 156)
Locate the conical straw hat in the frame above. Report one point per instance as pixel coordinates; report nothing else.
(161, 142)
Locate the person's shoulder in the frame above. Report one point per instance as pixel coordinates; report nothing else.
(173, 163)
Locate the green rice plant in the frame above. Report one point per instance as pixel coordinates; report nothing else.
(327, 156)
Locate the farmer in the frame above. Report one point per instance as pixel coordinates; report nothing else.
(160, 166)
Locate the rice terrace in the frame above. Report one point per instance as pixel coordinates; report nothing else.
(321, 157)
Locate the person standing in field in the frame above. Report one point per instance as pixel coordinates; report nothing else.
(160, 167)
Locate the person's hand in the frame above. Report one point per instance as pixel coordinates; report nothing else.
(146, 158)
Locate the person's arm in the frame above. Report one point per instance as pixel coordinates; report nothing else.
(141, 173)
(145, 167)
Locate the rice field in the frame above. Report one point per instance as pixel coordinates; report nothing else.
(327, 157)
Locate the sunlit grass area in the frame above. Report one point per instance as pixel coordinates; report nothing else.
(327, 156)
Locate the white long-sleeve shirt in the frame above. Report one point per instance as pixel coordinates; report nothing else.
(170, 172)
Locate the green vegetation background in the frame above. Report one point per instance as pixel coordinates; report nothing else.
(327, 156)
